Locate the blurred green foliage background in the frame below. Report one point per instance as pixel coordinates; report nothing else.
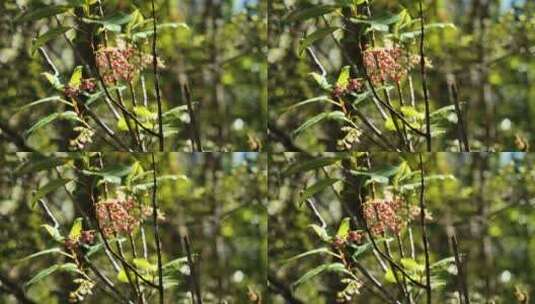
(487, 200)
(217, 199)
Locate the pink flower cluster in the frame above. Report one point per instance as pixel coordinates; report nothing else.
(383, 215)
(86, 237)
(116, 64)
(121, 62)
(385, 64)
(117, 215)
(353, 86)
(85, 85)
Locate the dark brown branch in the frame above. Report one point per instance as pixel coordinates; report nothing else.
(195, 288)
(461, 278)
(157, 79)
(424, 81)
(461, 128)
(424, 233)
(156, 230)
(14, 137)
(195, 133)
(277, 286)
(12, 288)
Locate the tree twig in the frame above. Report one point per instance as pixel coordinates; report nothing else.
(157, 79)
(424, 233)
(461, 278)
(196, 289)
(424, 81)
(156, 230)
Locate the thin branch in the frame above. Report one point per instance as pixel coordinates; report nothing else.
(156, 229)
(454, 97)
(424, 233)
(195, 133)
(424, 81)
(461, 278)
(196, 289)
(157, 79)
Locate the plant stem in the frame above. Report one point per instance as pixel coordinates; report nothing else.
(424, 233)
(156, 229)
(157, 79)
(424, 81)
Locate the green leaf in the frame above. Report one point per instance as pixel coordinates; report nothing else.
(311, 12)
(389, 276)
(43, 252)
(43, 100)
(112, 23)
(313, 164)
(150, 32)
(307, 101)
(54, 233)
(333, 267)
(443, 263)
(67, 115)
(411, 265)
(145, 265)
(46, 189)
(310, 252)
(146, 186)
(111, 174)
(76, 229)
(344, 227)
(343, 77)
(144, 113)
(321, 232)
(76, 77)
(54, 81)
(380, 23)
(321, 81)
(68, 267)
(315, 36)
(381, 176)
(427, 27)
(335, 115)
(51, 34)
(36, 165)
(40, 13)
(122, 277)
(361, 249)
(317, 187)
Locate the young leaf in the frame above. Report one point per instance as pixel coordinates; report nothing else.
(333, 267)
(321, 81)
(344, 227)
(76, 229)
(76, 77)
(112, 174)
(343, 77)
(46, 189)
